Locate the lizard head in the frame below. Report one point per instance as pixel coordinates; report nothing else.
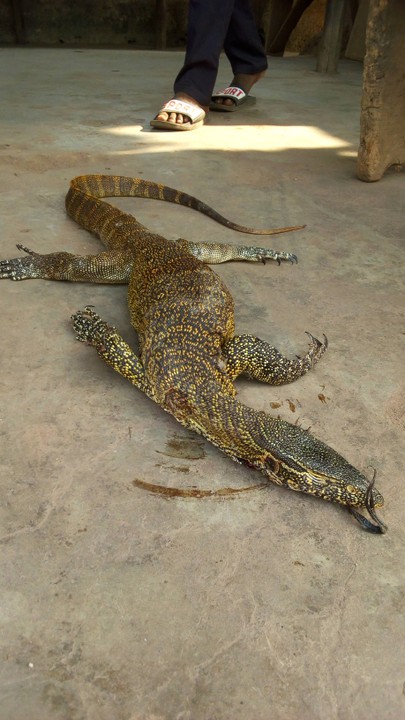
(302, 462)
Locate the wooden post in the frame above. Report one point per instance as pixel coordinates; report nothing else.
(382, 121)
(278, 41)
(331, 41)
(274, 16)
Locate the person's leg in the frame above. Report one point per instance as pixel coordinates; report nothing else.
(243, 45)
(208, 24)
(244, 49)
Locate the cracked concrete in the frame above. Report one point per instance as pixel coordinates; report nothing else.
(117, 604)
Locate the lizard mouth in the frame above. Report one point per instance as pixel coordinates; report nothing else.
(374, 527)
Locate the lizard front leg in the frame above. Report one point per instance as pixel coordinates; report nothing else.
(260, 361)
(216, 253)
(106, 267)
(91, 329)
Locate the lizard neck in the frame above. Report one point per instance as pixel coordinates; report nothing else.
(221, 419)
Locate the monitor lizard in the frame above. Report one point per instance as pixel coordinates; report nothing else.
(189, 354)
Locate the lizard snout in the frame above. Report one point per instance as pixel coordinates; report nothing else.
(372, 499)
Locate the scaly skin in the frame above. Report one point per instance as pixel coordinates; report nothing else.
(189, 355)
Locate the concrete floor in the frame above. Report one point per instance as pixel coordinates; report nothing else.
(117, 604)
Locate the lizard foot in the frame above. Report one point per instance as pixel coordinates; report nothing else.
(90, 328)
(20, 268)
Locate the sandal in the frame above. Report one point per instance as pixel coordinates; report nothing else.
(236, 94)
(195, 114)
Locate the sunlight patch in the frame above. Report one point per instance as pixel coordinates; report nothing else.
(275, 138)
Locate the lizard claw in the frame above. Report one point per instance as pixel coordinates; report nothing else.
(317, 347)
(25, 249)
(286, 256)
(263, 254)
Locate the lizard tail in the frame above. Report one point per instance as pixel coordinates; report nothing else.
(101, 186)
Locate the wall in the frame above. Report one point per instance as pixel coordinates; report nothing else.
(86, 22)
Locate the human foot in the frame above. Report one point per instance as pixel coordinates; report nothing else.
(230, 98)
(180, 113)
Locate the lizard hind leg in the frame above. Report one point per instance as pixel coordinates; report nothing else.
(249, 355)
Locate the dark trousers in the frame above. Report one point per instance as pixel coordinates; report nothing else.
(214, 25)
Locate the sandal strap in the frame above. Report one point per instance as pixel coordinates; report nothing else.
(194, 112)
(233, 92)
